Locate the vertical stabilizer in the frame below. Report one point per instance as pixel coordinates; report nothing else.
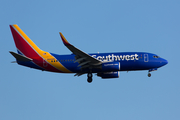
(30, 55)
(24, 44)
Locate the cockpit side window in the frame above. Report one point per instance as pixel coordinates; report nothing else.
(155, 56)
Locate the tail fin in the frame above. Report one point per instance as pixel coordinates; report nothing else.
(31, 56)
(24, 44)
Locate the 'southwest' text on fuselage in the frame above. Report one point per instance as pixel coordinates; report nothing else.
(113, 57)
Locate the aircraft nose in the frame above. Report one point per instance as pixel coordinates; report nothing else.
(164, 62)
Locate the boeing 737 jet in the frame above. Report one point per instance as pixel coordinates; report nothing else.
(104, 65)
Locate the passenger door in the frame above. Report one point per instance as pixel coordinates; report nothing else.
(146, 59)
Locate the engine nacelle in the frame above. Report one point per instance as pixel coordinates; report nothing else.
(111, 66)
(108, 75)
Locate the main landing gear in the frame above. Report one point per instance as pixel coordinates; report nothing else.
(89, 79)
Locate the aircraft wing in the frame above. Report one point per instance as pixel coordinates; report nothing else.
(84, 59)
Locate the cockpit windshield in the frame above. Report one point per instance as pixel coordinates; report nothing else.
(155, 56)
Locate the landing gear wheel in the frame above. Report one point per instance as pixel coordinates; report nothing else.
(89, 80)
(89, 75)
(149, 74)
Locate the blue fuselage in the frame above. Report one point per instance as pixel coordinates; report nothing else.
(128, 61)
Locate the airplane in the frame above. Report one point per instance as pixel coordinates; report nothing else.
(104, 65)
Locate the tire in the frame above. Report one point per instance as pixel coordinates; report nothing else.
(149, 74)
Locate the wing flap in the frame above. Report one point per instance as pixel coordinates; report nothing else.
(79, 59)
(84, 63)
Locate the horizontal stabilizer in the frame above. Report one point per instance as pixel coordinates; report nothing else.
(20, 57)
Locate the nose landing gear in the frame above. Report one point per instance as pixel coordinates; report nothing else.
(149, 74)
(150, 70)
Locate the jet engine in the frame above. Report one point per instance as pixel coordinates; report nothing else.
(110, 66)
(108, 75)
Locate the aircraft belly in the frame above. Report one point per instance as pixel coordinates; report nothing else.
(129, 65)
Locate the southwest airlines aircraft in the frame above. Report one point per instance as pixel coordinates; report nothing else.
(105, 65)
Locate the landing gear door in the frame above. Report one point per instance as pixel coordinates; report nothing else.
(146, 59)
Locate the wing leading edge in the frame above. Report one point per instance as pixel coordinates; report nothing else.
(85, 60)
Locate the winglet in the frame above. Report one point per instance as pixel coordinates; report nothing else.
(64, 39)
